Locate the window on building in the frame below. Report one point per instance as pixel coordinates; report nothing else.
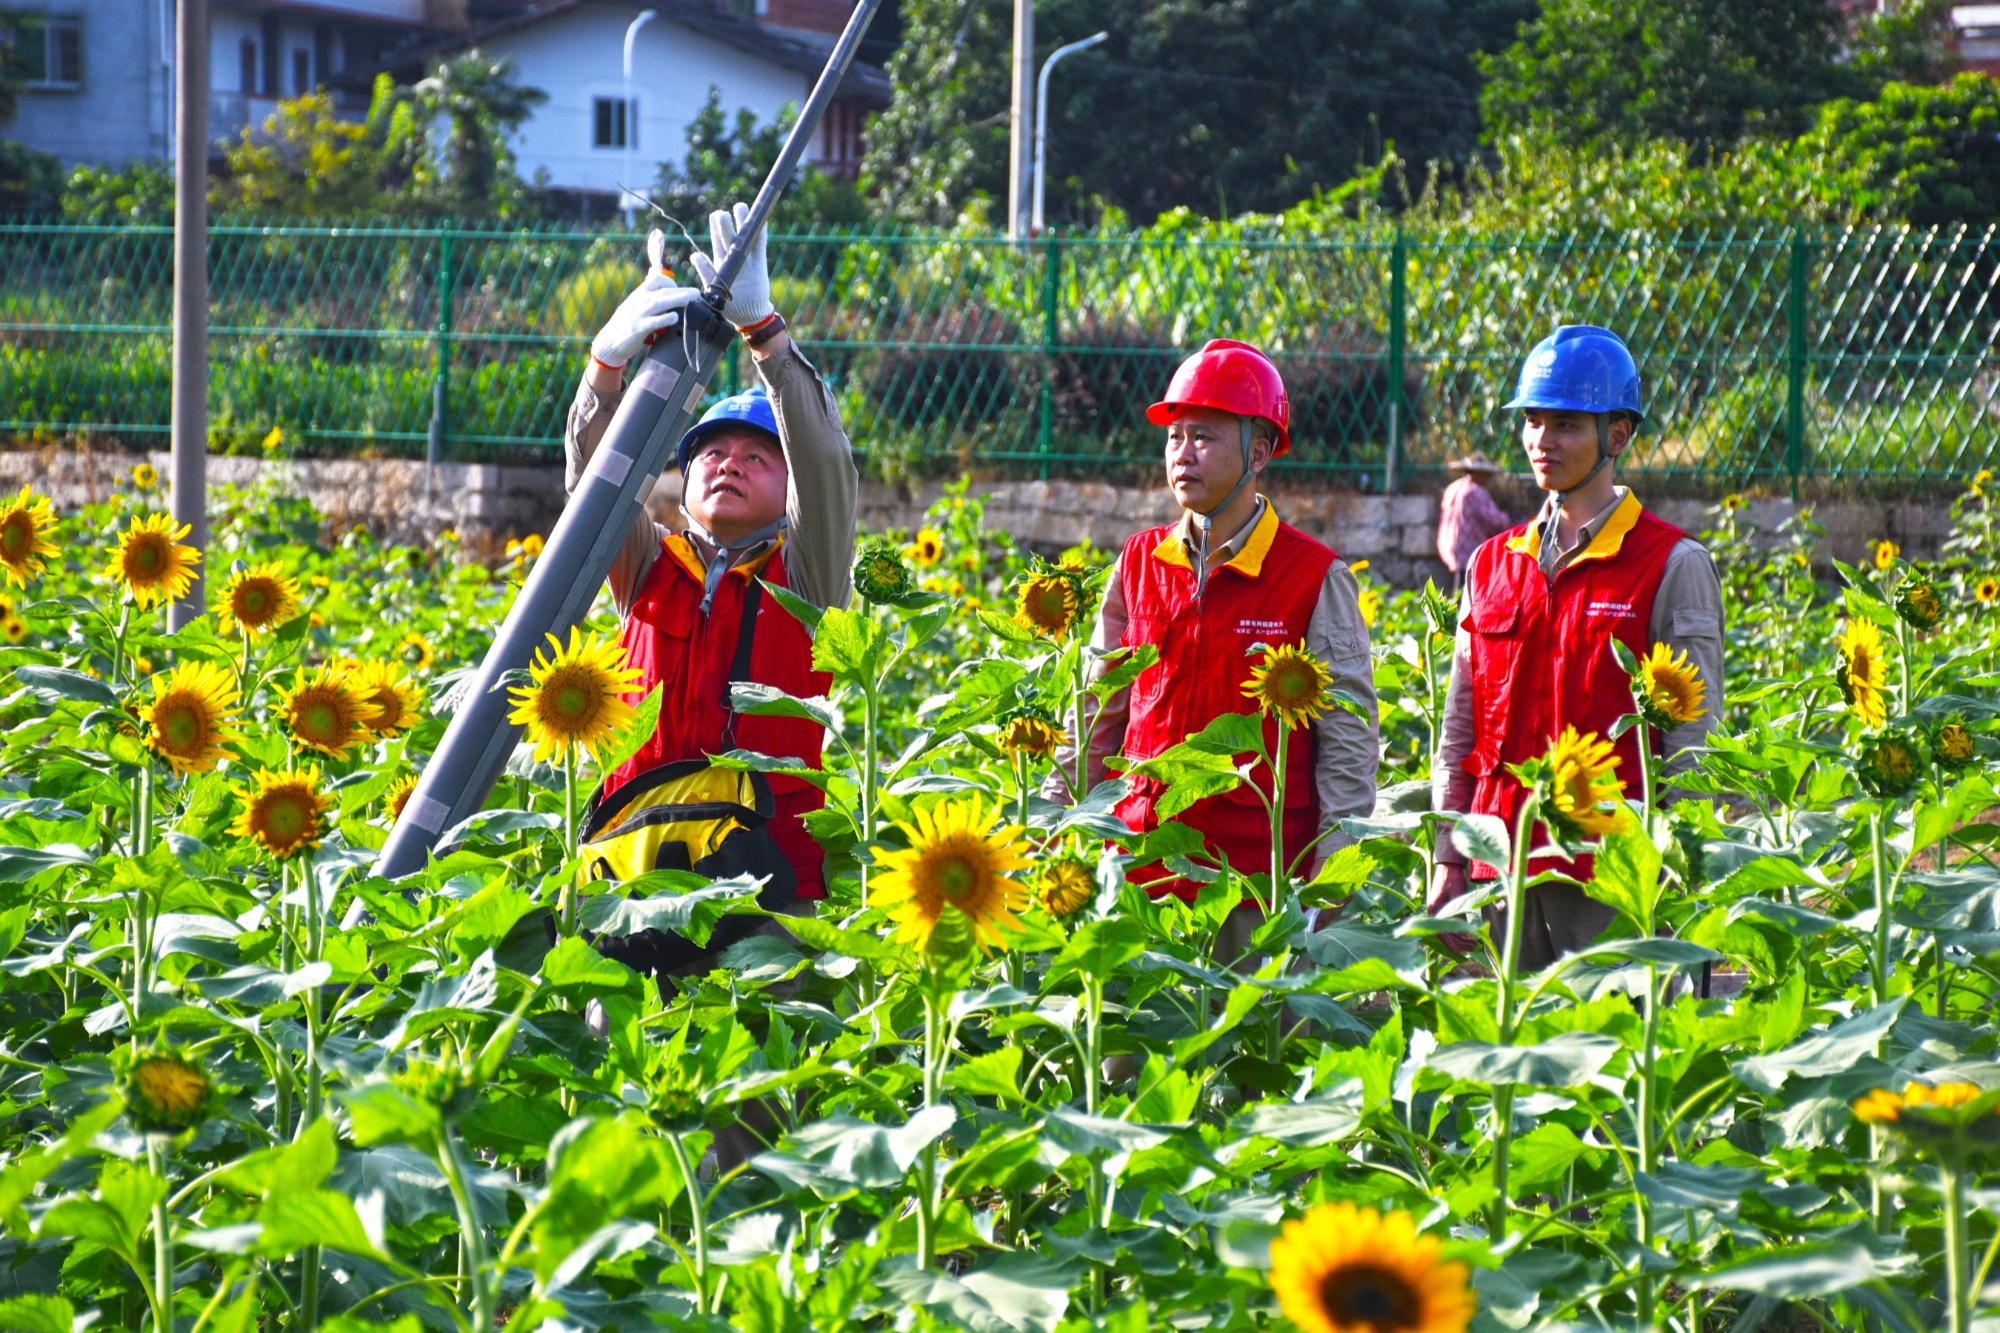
(610, 123)
(50, 50)
(302, 71)
(246, 65)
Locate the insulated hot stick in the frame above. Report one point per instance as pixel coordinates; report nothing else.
(660, 402)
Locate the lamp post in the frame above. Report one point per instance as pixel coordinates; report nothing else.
(1042, 120)
(629, 114)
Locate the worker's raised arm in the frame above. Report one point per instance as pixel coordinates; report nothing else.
(652, 307)
(822, 484)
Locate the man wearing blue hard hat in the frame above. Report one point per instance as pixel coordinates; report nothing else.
(1541, 607)
(768, 494)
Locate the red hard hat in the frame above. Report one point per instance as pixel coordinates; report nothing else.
(1229, 376)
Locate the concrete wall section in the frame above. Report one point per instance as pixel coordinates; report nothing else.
(489, 503)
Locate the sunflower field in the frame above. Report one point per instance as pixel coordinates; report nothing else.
(991, 1084)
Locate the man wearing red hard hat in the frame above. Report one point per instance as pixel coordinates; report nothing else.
(1204, 589)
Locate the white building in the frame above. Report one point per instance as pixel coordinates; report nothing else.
(573, 50)
(101, 71)
(100, 85)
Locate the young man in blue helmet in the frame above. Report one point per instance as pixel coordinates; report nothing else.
(1541, 606)
(769, 489)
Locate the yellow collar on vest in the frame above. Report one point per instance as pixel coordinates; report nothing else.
(681, 549)
(1610, 538)
(1172, 549)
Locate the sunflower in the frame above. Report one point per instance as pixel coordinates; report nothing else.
(1863, 673)
(1347, 1269)
(13, 628)
(151, 563)
(1918, 603)
(25, 524)
(145, 476)
(1369, 603)
(1733, 502)
(417, 651)
(1031, 735)
(531, 545)
(1892, 763)
(1954, 745)
(192, 716)
(328, 711)
(259, 598)
(398, 796)
(1983, 476)
(880, 575)
(1581, 785)
(1669, 688)
(956, 860)
(167, 1093)
(398, 701)
(1885, 554)
(1290, 684)
(1987, 590)
(1046, 603)
(1879, 1106)
(283, 813)
(574, 701)
(927, 549)
(1066, 884)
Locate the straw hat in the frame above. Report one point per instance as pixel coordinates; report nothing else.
(1476, 461)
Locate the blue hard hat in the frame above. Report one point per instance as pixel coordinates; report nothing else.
(1580, 368)
(752, 409)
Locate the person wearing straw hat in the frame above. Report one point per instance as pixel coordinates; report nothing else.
(1543, 605)
(1468, 514)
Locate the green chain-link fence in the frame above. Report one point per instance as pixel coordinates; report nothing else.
(1768, 357)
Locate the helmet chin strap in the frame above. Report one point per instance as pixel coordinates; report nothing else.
(727, 556)
(1204, 519)
(1603, 457)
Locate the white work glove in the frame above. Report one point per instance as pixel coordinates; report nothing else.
(654, 306)
(750, 294)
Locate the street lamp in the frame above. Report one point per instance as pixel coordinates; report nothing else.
(1042, 120)
(628, 114)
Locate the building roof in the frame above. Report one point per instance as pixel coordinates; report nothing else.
(791, 48)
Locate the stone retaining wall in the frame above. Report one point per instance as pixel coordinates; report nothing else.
(489, 503)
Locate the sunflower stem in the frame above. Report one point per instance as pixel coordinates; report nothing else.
(162, 1294)
(1281, 883)
(696, 1219)
(1504, 1017)
(868, 772)
(1957, 1253)
(1081, 760)
(927, 1161)
(1648, 1148)
(142, 935)
(470, 1230)
(569, 905)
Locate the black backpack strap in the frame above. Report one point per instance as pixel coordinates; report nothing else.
(746, 639)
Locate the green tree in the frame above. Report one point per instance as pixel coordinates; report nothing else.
(1218, 107)
(1706, 72)
(1918, 153)
(728, 159)
(306, 160)
(474, 103)
(138, 192)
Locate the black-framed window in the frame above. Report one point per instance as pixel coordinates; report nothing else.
(613, 123)
(302, 71)
(246, 65)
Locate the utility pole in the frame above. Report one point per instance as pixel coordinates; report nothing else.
(189, 469)
(1021, 122)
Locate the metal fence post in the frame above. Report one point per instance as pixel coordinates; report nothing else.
(441, 374)
(1399, 294)
(1795, 363)
(1051, 281)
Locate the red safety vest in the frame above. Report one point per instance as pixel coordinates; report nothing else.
(670, 644)
(1541, 652)
(1265, 595)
